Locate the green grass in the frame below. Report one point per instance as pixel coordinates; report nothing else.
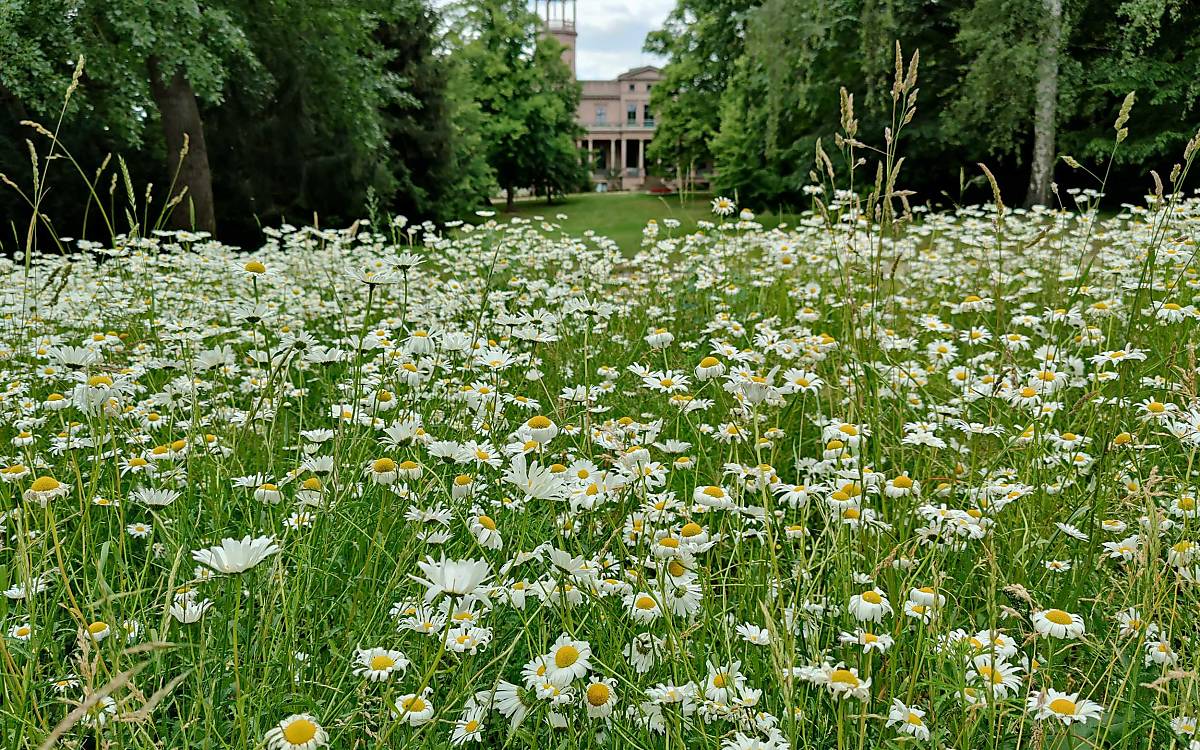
(812, 488)
(622, 216)
(194, 365)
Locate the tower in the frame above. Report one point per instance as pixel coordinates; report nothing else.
(559, 17)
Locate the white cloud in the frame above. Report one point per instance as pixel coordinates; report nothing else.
(611, 34)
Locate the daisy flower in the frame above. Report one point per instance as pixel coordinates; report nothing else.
(296, 732)
(1057, 623)
(379, 664)
(1065, 707)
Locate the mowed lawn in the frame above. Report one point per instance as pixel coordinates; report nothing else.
(621, 216)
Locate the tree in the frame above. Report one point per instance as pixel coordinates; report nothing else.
(164, 57)
(783, 93)
(1045, 109)
(289, 107)
(526, 95)
(183, 131)
(1147, 46)
(702, 41)
(1007, 104)
(557, 167)
(324, 122)
(440, 167)
(1010, 82)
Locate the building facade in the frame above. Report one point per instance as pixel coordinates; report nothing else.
(616, 114)
(620, 125)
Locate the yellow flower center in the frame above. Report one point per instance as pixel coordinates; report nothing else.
(843, 677)
(1062, 706)
(871, 597)
(487, 522)
(382, 661)
(45, 484)
(566, 656)
(1058, 617)
(383, 465)
(597, 694)
(414, 705)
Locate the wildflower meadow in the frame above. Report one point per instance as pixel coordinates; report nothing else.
(879, 477)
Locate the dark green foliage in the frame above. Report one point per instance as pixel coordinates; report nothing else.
(307, 107)
(703, 39)
(776, 67)
(525, 94)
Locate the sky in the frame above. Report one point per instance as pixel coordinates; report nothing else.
(611, 33)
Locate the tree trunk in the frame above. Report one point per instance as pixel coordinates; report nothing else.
(1045, 107)
(509, 199)
(181, 118)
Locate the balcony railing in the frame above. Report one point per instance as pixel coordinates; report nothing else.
(606, 125)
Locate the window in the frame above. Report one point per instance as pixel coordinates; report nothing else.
(631, 86)
(631, 114)
(647, 118)
(601, 113)
(649, 86)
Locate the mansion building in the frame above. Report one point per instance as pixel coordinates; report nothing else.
(616, 114)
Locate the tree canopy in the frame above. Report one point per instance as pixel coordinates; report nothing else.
(775, 67)
(283, 109)
(526, 95)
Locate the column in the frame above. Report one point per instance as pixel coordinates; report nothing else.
(641, 158)
(612, 155)
(591, 167)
